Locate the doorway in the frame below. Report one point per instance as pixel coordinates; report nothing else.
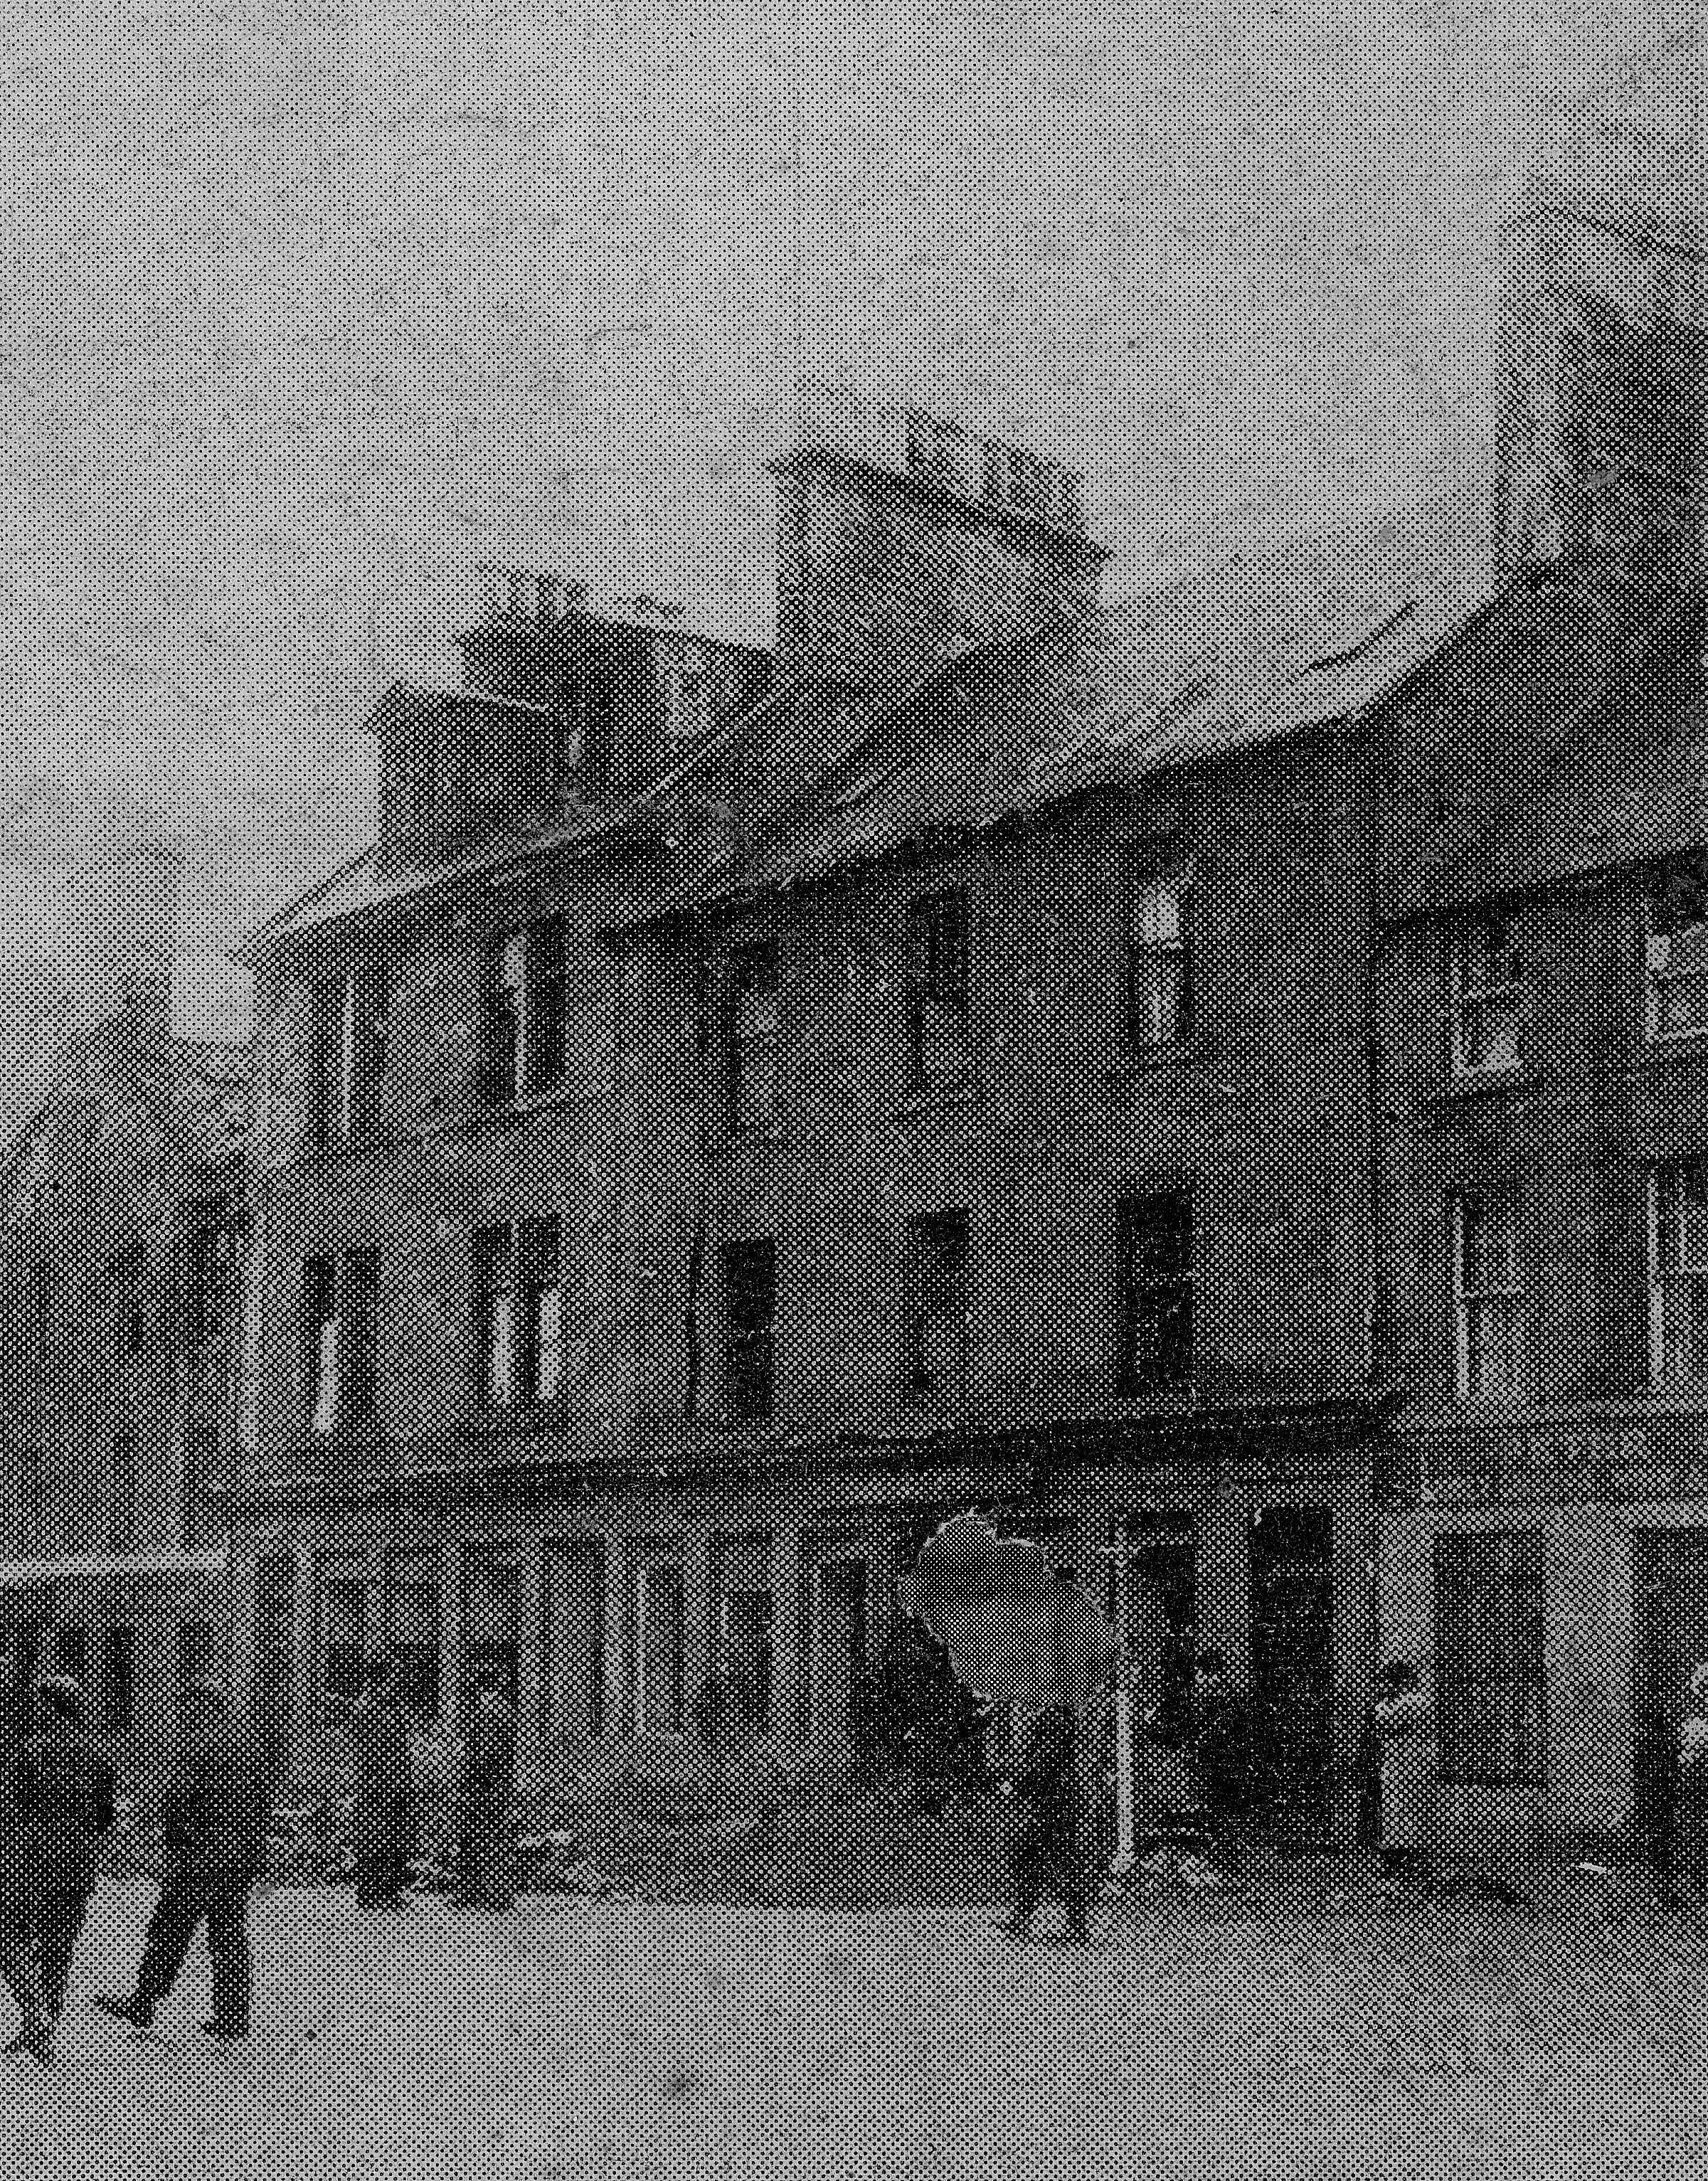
(1293, 1668)
(1670, 1636)
(275, 1628)
(837, 1650)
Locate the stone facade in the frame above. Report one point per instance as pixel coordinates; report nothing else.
(613, 1542)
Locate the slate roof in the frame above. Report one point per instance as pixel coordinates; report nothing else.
(1589, 709)
(1218, 664)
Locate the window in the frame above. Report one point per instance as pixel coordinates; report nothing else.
(73, 1645)
(1678, 1272)
(343, 1636)
(583, 717)
(572, 1675)
(524, 1014)
(129, 1300)
(1154, 1241)
(415, 1632)
(491, 1620)
(1159, 965)
(745, 1643)
(212, 1297)
(199, 1656)
(340, 1308)
(1487, 1299)
(938, 988)
(1489, 996)
(752, 1036)
(749, 1278)
(353, 1068)
(688, 684)
(1489, 1671)
(658, 1693)
(1679, 951)
(518, 1314)
(119, 1680)
(937, 1267)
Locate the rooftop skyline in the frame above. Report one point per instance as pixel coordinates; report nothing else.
(309, 310)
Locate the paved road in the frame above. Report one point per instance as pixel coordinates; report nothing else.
(577, 2038)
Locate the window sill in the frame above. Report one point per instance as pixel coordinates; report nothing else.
(936, 1097)
(1135, 1065)
(734, 1139)
(519, 1109)
(1659, 1049)
(1483, 1083)
(524, 1419)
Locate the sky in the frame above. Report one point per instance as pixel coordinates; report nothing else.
(307, 307)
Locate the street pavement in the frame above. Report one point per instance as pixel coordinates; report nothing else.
(1221, 2033)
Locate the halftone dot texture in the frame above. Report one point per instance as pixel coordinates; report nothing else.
(1119, 1152)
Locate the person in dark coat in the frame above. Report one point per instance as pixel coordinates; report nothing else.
(1045, 1843)
(67, 1799)
(487, 1880)
(381, 1818)
(18, 1881)
(215, 1815)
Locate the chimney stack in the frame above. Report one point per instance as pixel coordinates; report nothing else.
(903, 540)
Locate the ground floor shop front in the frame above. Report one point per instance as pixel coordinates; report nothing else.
(610, 1612)
(133, 1631)
(1551, 1581)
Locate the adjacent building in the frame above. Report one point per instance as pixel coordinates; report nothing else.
(1541, 1018)
(122, 1247)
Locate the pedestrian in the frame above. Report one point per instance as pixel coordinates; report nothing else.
(214, 1817)
(1403, 1724)
(1688, 1857)
(436, 1760)
(381, 1812)
(67, 1798)
(1044, 1846)
(487, 1880)
(17, 1878)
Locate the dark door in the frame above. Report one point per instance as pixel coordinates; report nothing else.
(1671, 1638)
(1162, 1630)
(1293, 1667)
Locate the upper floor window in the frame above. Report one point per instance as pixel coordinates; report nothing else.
(582, 719)
(1678, 950)
(518, 1313)
(339, 1326)
(1488, 996)
(1487, 1296)
(687, 685)
(524, 1014)
(1678, 1272)
(938, 988)
(749, 1275)
(1154, 1237)
(352, 1054)
(937, 1327)
(752, 1002)
(1159, 964)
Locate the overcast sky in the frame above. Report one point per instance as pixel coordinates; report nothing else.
(308, 306)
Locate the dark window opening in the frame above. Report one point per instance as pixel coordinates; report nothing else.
(1490, 1678)
(1155, 1243)
(749, 1271)
(937, 989)
(753, 1037)
(938, 1264)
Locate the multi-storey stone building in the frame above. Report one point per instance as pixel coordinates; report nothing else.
(121, 1269)
(1542, 1021)
(688, 1167)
